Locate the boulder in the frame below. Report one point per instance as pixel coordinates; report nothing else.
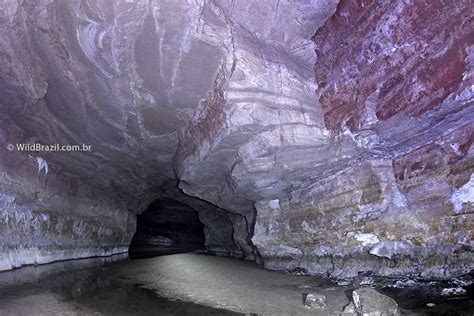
(369, 302)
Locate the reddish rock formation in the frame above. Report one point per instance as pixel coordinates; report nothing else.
(429, 178)
(396, 78)
(385, 57)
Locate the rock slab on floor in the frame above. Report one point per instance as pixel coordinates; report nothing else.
(368, 302)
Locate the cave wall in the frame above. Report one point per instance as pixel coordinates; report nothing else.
(334, 136)
(120, 76)
(377, 59)
(324, 171)
(46, 216)
(260, 112)
(395, 77)
(150, 86)
(408, 216)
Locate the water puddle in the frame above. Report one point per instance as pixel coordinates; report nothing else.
(85, 287)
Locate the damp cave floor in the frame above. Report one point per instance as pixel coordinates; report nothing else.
(179, 284)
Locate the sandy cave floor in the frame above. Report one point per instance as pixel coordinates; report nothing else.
(190, 284)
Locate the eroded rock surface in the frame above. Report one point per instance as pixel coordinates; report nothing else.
(330, 136)
(401, 204)
(378, 58)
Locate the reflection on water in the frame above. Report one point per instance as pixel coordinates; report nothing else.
(41, 273)
(84, 287)
(140, 252)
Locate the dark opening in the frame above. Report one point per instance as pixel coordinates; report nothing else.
(167, 227)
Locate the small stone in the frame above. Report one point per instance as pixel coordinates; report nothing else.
(315, 301)
(369, 302)
(430, 304)
(343, 282)
(404, 283)
(367, 281)
(453, 291)
(462, 281)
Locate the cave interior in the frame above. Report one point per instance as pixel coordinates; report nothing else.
(294, 142)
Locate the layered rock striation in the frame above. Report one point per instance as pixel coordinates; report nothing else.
(395, 78)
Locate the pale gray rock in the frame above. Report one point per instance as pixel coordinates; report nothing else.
(369, 302)
(453, 291)
(349, 310)
(315, 301)
(391, 249)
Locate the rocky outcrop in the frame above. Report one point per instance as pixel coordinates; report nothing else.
(330, 136)
(47, 216)
(238, 147)
(390, 217)
(378, 59)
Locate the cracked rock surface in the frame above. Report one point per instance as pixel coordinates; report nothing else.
(330, 136)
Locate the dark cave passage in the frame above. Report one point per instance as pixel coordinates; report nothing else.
(167, 227)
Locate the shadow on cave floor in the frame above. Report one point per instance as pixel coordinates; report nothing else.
(167, 227)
